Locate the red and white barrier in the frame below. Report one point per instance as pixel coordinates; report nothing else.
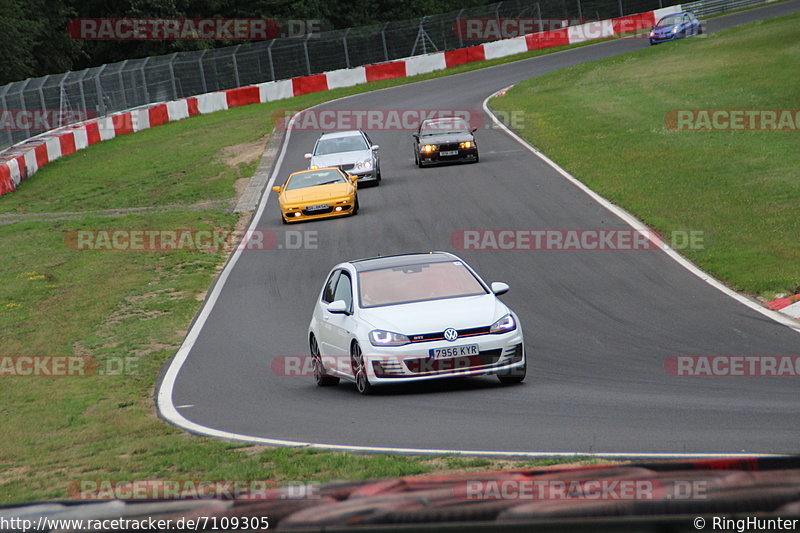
(22, 161)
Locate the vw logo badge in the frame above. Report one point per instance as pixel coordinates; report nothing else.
(450, 334)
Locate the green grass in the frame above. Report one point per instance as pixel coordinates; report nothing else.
(604, 123)
(136, 307)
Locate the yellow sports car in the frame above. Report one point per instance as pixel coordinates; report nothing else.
(318, 193)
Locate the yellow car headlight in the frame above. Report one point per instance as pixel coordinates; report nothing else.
(429, 148)
(467, 144)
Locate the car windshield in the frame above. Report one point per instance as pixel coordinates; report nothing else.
(670, 20)
(335, 145)
(416, 283)
(444, 125)
(311, 179)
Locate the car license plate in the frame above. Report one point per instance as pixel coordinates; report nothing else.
(454, 351)
(449, 152)
(320, 207)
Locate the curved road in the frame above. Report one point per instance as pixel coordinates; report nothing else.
(598, 325)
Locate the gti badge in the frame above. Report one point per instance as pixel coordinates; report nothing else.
(450, 334)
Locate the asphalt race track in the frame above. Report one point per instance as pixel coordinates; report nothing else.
(598, 324)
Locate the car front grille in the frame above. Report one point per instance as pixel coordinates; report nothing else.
(451, 146)
(348, 166)
(439, 335)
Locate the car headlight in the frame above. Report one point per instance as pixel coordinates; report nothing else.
(429, 148)
(675, 29)
(368, 164)
(314, 167)
(504, 325)
(652, 33)
(358, 165)
(379, 337)
(467, 144)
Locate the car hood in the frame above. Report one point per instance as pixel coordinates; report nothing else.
(448, 138)
(316, 194)
(342, 158)
(436, 315)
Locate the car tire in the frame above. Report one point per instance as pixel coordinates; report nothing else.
(416, 160)
(378, 177)
(322, 378)
(283, 220)
(515, 375)
(477, 157)
(355, 208)
(363, 385)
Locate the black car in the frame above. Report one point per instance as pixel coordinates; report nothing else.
(440, 140)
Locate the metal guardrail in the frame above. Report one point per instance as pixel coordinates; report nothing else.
(704, 8)
(98, 91)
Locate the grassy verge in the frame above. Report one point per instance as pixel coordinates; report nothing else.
(605, 123)
(135, 307)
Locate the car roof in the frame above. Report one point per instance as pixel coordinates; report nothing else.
(339, 134)
(392, 261)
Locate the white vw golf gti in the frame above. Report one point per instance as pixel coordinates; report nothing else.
(412, 317)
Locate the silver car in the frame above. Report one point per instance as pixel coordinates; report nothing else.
(352, 151)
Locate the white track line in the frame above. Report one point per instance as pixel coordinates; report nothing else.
(170, 413)
(640, 226)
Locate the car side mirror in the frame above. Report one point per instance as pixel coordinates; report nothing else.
(307, 156)
(353, 178)
(276, 188)
(374, 147)
(415, 135)
(473, 130)
(338, 307)
(498, 288)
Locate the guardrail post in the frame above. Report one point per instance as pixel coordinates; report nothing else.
(308, 60)
(172, 75)
(203, 70)
(101, 99)
(459, 28)
(144, 80)
(236, 66)
(344, 43)
(83, 94)
(121, 85)
(621, 12)
(24, 107)
(580, 11)
(4, 107)
(539, 15)
(41, 94)
(383, 37)
(271, 64)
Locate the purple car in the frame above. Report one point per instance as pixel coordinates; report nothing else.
(675, 26)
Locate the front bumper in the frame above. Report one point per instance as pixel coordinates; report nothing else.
(344, 205)
(401, 364)
(464, 154)
(364, 175)
(664, 38)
